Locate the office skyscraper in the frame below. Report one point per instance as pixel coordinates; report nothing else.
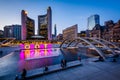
(8, 31)
(1, 34)
(45, 25)
(17, 32)
(28, 26)
(12, 31)
(92, 21)
(55, 30)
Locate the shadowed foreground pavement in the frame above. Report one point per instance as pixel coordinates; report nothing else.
(89, 71)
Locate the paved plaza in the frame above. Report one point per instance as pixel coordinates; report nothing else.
(89, 71)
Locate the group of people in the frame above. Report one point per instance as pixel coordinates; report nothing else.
(100, 58)
(63, 63)
(115, 58)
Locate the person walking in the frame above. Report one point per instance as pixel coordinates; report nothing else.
(46, 68)
(16, 78)
(79, 58)
(23, 75)
(65, 63)
(62, 63)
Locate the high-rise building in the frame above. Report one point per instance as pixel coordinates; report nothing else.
(45, 25)
(92, 21)
(70, 32)
(1, 33)
(8, 31)
(28, 26)
(17, 32)
(12, 31)
(55, 30)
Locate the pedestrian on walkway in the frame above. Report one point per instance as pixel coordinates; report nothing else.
(23, 75)
(46, 68)
(116, 56)
(114, 60)
(16, 78)
(62, 63)
(1, 52)
(79, 58)
(101, 59)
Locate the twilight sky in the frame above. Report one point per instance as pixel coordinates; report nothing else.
(65, 13)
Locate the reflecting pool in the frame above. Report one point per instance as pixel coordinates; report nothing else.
(31, 59)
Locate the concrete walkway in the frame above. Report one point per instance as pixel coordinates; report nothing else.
(106, 70)
(51, 69)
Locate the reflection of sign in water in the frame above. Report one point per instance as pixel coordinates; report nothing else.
(38, 53)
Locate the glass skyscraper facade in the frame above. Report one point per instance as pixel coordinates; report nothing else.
(45, 25)
(17, 32)
(92, 21)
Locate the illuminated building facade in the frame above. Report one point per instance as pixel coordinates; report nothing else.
(70, 32)
(116, 32)
(112, 31)
(28, 26)
(45, 25)
(82, 34)
(97, 31)
(108, 30)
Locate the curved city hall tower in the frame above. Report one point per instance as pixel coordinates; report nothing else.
(45, 25)
(49, 15)
(28, 26)
(23, 22)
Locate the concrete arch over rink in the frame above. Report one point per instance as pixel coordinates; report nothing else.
(105, 46)
(86, 41)
(107, 42)
(7, 41)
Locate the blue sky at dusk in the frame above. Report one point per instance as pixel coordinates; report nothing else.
(65, 13)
